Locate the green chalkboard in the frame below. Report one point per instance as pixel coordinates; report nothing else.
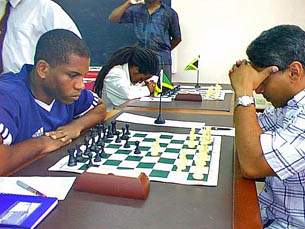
(102, 36)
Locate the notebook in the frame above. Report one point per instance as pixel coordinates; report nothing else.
(23, 211)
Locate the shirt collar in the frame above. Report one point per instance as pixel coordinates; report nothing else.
(126, 69)
(297, 99)
(14, 3)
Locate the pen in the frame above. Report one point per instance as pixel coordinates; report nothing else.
(29, 188)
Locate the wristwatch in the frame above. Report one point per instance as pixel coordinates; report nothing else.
(244, 101)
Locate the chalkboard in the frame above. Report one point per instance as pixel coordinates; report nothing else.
(101, 36)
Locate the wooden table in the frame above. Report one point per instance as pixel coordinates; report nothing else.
(232, 204)
(224, 107)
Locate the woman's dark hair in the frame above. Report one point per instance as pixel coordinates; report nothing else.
(143, 58)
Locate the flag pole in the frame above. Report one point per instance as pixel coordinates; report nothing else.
(197, 84)
(160, 119)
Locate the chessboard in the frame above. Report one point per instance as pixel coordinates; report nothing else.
(137, 152)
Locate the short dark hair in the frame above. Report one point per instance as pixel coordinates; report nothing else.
(278, 46)
(144, 58)
(55, 47)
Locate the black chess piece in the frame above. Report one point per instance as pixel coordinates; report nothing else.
(137, 149)
(113, 126)
(118, 139)
(97, 157)
(104, 134)
(124, 135)
(72, 160)
(102, 152)
(79, 153)
(89, 164)
(126, 145)
(109, 133)
(127, 129)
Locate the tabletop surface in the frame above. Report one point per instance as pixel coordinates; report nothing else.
(167, 206)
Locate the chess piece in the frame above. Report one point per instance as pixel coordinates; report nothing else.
(72, 160)
(137, 149)
(79, 153)
(126, 145)
(89, 164)
(127, 129)
(118, 139)
(109, 134)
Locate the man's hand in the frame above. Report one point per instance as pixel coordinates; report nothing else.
(51, 144)
(64, 134)
(245, 79)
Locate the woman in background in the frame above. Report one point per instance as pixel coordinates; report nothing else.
(125, 76)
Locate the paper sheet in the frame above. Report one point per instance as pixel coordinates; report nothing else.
(50, 186)
(127, 117)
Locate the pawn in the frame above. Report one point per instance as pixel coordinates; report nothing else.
(127, 129)
(126, 145)
(102, 153)
(109, 133)
(118, 139)
(137, 149)
(79, 153)
(97, 157)
(72, 160)
(124, 135)
(89, 164)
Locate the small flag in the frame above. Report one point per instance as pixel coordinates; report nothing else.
(193, 65)
(166, 83)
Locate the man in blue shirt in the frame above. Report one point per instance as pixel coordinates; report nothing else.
(45, 106)
(156, 26)
(272, 144)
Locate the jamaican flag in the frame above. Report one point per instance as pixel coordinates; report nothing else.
(193, 65)
(166, 84)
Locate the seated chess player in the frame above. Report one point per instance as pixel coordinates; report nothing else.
(122, 76)
(272, 144)
(45, 106)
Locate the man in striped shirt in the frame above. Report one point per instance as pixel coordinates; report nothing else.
(272, 144)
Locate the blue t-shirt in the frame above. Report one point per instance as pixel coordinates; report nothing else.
(21, 116)
(154, 31)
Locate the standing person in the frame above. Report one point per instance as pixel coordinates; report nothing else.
(156, 26)
(22, 25)
(272, 144)
(122, 76)
(45, 106)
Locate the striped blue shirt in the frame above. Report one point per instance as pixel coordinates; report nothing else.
(283, 144)
(154, 31)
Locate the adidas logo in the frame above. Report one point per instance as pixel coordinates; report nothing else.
(38, 133)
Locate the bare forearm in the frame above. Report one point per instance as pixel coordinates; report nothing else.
(118, 12)
(248, 147)
(17, 154)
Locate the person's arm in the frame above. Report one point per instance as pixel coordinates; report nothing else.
(117, 13)
(175, 42)
(74, 128)
(17, 154)
(244, 79)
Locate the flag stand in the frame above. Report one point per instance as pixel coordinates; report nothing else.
(197, 84)
(160, 119)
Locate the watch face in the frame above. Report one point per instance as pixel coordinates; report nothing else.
(245, 101)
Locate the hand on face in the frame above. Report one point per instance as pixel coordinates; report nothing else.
(151, 86)
(245, 79)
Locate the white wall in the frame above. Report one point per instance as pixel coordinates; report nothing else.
(220, 31)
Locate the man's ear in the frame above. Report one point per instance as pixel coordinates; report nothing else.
(295, 71)
(42, 68)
